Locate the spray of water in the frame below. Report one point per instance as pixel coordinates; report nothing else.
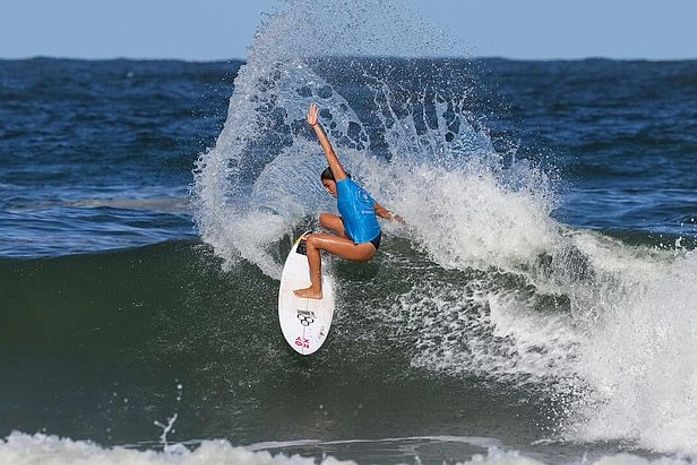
(510, 293)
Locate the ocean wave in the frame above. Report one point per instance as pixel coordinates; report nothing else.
(508, 293)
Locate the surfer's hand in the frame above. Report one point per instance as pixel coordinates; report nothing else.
(398, 219)
(313, 115)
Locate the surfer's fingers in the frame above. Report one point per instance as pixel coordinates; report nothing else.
(313, 114)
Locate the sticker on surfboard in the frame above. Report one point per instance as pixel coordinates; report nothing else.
(304, 322)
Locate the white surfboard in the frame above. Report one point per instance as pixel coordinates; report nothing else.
(304, 322)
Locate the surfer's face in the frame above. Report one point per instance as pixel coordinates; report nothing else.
(330, 186)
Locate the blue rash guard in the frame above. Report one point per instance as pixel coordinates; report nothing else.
(357, 210)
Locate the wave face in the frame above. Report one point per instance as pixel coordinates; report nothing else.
(505, 291)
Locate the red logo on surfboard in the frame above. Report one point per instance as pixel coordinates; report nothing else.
(302, 342)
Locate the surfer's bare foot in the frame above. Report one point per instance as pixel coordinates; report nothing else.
(308, 293)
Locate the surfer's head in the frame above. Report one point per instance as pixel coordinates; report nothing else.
(329, 182)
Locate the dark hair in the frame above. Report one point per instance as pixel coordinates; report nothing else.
(328, 175)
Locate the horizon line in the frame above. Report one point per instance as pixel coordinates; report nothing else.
(435, 57)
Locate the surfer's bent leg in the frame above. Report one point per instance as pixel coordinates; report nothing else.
(332, 223)
(339, 246)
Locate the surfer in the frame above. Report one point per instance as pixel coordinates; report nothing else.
(357, 232)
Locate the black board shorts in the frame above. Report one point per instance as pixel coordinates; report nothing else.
(376, 240)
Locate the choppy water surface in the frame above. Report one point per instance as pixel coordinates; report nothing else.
(538, 307)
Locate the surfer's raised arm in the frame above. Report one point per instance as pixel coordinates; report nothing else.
(355, 235)
(334, 164)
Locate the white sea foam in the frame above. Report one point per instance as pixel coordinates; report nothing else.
(467, 218)
(624, 342)
(24, 449)
(642, 361)
(501, 457)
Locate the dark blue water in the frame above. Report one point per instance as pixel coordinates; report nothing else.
(98, 155)
(623, 133)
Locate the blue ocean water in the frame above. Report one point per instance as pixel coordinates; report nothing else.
(538, 307)
(623, 133)
(98, 155)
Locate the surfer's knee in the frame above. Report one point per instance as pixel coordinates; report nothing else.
(368, 256)
(311, 241)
